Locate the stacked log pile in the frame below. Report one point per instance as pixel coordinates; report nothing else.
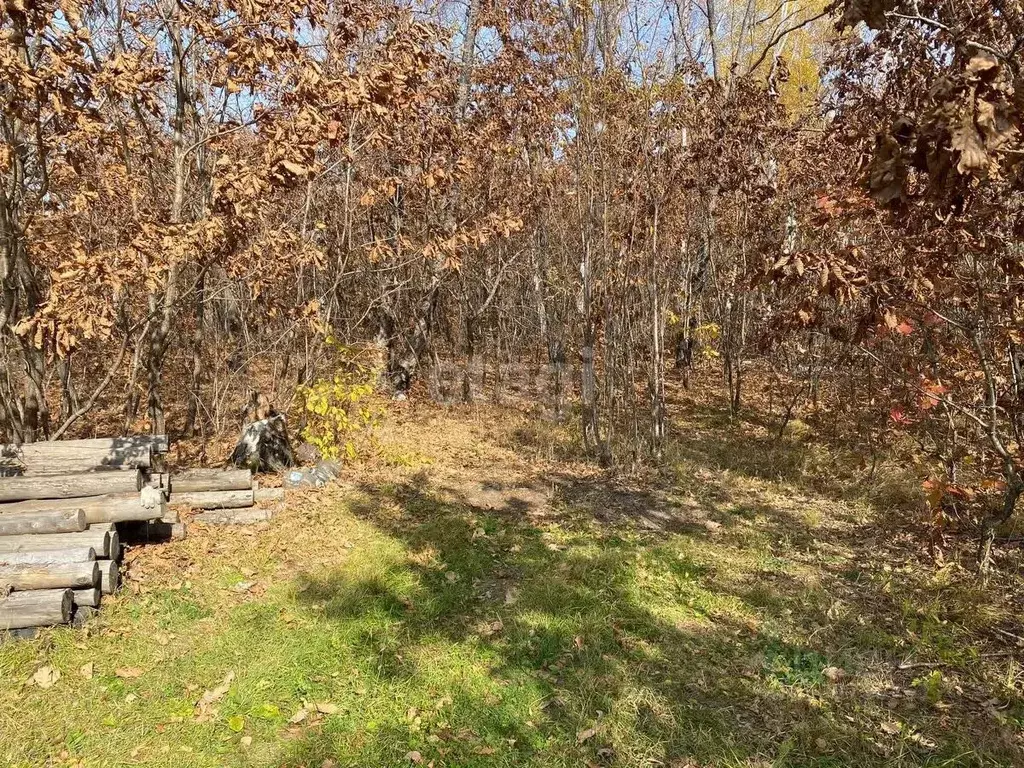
(61, 505)
(225, 496)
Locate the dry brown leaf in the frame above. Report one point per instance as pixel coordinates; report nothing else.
(45, 677)
(204, 706)
(967, 141)
(833, 674)
(86, 670)
(983, 62)
(128, 673)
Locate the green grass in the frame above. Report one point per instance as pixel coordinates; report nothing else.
(403, 622)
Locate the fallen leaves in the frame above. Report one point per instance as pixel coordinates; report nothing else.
(833, 674)
(45, 677)
(86, 670)
(491, 628)
(892, 728)
(326, 708)
(128, 673)
(204, 707)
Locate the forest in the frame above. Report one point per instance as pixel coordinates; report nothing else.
(657, 245)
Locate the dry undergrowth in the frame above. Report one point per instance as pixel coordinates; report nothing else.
(475, 594)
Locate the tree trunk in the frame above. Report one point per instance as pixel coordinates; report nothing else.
(195, 383)
(1014, 488)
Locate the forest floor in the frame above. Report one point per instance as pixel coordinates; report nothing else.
(475, 595)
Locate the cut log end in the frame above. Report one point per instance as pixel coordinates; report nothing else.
(110, 576)
(87, 597)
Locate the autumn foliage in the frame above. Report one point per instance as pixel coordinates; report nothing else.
(197, 195)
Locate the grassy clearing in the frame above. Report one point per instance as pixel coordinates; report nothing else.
(475, 598)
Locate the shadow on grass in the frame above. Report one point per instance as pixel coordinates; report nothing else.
(594, 643)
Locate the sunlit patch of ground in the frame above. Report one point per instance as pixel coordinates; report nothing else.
(475, 595)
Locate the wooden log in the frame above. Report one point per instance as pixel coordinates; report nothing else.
(90, 597)
(44, 556)
(40, 608)
(70, 486)
(113, 508)
(101, 538)
(212, 499)
(267, 494)
(172, 516)
(47, 521)
(233, 516)
(161, 531)
(153, 532)
(193, 480)
(110, 576)
(24, 633)
(50, 576)
(80, 615)
(58, 457)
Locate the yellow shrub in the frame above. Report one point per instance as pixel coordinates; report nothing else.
(339, 412)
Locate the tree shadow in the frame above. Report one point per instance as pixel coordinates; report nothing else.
(638, 649)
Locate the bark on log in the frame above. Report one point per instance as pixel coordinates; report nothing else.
(193, 480)
(88, 597)
(267, 494)
(40, 608)
(234, 517)
(50, 576)
(115, 508)
(44, 556)
(212, 499)
(70, 486)
(25, 633)
(47, 521)
(161, 531)
(101, 538)
(57, 457)
(110, 576)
